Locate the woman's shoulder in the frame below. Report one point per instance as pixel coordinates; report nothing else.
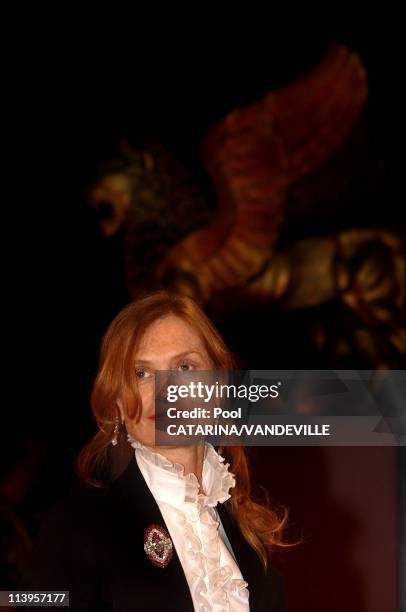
(81, 499)
(78, 508)
(71, 527)
(68, 550)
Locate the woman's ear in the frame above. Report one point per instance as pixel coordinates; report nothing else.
(121, 409)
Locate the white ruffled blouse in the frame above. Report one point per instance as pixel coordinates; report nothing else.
(213, 576)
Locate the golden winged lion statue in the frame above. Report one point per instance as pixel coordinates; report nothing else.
(222, 243)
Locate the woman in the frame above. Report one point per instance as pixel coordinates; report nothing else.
(158, 528)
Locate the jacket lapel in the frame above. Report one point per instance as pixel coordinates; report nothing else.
(247, 559)
(137, 510)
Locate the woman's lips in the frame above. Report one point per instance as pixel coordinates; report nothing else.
(161, 407)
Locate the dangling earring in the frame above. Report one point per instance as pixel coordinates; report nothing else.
(116, 431)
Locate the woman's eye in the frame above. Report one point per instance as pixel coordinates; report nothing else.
(142, 374)
(185, 367)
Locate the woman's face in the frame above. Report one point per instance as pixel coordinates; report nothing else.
(168, 344)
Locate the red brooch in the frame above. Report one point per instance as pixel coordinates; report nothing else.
(158, 545)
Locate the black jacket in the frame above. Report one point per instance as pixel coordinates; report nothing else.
(92, 545)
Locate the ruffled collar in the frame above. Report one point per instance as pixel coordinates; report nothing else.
(169, 484)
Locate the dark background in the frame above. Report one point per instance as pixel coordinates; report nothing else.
(79, 94)
(85, 93)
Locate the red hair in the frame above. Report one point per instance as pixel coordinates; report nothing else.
(259, 524)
